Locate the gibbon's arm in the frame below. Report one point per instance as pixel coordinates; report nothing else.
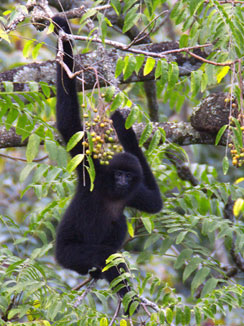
(148, 197)
(67, 107)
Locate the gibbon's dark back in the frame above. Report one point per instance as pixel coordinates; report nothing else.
(94, 226)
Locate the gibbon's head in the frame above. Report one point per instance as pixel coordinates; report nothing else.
(124, 176)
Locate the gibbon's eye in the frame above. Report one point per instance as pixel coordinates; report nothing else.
(118, 173)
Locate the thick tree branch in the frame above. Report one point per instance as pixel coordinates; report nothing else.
(181, 133)
(46, 71)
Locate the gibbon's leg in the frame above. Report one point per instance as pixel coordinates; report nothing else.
(81, 257)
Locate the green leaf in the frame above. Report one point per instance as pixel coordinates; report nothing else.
(103, 322)
(198, 316)
(237, 132)
(36, 50)
(27, 48)
(178, 316)
(132, 117)
(129, 68)
(109, 93)
(26, 171)
(139, 62)
(222, 73)
(118, 101)
(74, 162)
(133, 307)
(131, 18)
(191, 267)
(163, 134)
(164, 75)
(199, 278)
(196, 78)
(169, 315)
(220, 134)
(131, 230)
(158, 70)
(193, 5)
(128, 4)
(173, 74)
(51, 148)
(149, 65)
(209, 286)
(32, 148)
(147, 224)
(116, 6)
(161, 317)
(12, 116)
(238, 206)
(146, 133)
(181, 237)
(187, 315)
(151, 240)
(183, 257)
(225, 165)
(45, 89)
(119, 67)
(50, 28)
(91, 171)
(4, 35)
(154, 142)
(183, 41)
(74, 140)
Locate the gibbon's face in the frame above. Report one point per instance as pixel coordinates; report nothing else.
(122, 179)
(123, 176)
(124, 183)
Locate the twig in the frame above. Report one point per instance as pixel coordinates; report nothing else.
(140, 36)
(223, 64)
(150, 304)
(233, 2)
(123, 47)
(153, 305)
(116, 312)
(84, 294)
(23, 159)
(145, 308)
(79, 286)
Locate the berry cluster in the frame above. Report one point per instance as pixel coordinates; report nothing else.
(101, 142)
(237, 144)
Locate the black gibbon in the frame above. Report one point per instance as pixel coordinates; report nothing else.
(94, 226)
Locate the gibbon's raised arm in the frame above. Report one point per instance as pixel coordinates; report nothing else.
(67, 107)
(147, 198)
(68, 116)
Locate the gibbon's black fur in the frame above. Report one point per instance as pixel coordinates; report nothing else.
(94, 226)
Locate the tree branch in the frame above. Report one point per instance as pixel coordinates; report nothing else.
(46, 71)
